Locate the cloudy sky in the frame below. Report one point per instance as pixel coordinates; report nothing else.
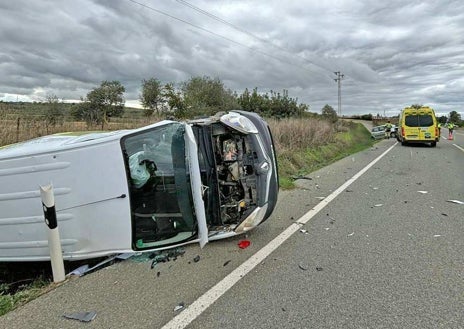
(392, 54)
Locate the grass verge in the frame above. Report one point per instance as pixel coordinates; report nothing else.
(304, 160)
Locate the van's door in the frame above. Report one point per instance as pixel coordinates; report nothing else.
(411, 126)
(426, 126)
(197, 188)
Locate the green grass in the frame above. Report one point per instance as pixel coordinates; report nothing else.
(24, 294)
(306, 160)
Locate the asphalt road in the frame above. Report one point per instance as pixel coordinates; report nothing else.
(385, 252)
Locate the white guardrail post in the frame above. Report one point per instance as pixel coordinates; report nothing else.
(54, 243)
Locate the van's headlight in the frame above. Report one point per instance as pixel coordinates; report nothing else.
(252, 220)
(239, 122)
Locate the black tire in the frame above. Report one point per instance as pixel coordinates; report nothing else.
(433, 144)
(403, 143)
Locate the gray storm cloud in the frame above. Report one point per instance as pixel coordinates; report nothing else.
(392, 54)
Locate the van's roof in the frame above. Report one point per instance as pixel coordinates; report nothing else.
(421, 109)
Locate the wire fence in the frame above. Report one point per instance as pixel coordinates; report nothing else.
(15, 128)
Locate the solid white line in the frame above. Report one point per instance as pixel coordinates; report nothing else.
(207, 299)
(459, 147)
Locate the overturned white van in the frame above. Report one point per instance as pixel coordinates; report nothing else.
(151, 188)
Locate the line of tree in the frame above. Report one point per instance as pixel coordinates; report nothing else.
(198, 96)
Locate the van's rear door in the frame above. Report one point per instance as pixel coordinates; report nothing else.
(426, 126)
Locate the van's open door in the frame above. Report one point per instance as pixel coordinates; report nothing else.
(197, 190)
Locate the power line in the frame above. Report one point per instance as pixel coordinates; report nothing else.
(219, 35)
(217, 18)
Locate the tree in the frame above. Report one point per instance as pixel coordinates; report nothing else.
(206, 96)
(455, 117)
(274, 105)
(329, 113)
(442, 119)
(102, 103)
(55, 112)
(174, 100)
(152, 96)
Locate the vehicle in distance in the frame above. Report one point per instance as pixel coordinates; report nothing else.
(393, 131)
(152, 188)
(418, 125)
(378, 132)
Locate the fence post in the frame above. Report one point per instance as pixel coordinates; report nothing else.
(18, 121)
(54, 243)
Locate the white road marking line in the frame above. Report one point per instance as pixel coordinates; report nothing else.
(207, 299)
(459, 147)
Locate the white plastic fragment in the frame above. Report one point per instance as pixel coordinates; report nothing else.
(320, 197)
(304, 231)
(437, 235)
(351, 234)
(455, 201)
(179, 307)
(378, 205)
(423, 192)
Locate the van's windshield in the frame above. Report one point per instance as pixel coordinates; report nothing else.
(419, 120)
(159, 185)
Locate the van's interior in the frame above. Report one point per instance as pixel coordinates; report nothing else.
(159, 183)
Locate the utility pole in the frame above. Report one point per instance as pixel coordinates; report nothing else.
(339, 81)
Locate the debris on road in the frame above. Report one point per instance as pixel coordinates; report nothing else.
(242, 244)
(86, 269)
(303, 266)
(226, 263)
(196, 259)
(378, 205)
(331, 219)
(351, 234)
(179, 307)
(443, 214)
(81, 316)
(455, 201)
(319, 268)
(166, 256)
(295, 177)
(304, 231)
(437, 235)
(423, 192)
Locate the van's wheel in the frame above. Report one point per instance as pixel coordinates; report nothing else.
(433, 144)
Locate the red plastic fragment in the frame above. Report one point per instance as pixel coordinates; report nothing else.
(242, 244)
